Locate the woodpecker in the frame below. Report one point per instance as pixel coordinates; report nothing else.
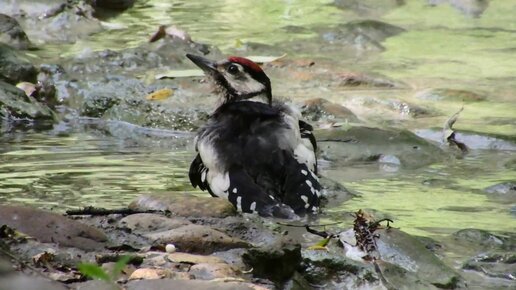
(254, 151)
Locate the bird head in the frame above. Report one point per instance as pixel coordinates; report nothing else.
(236, 78)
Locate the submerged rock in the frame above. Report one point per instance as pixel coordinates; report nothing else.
(450, 94)
(51, 228)
(367, 144)
(362, 34)
(505, 188)
(369, 7)
(472, 8)
(277, 263)
(320, 109)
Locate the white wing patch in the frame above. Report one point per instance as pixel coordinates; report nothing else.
(219, 183)
(305, 156)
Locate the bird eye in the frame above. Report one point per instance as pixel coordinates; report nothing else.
(232, 69)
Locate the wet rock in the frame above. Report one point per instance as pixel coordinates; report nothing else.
(333, 265)
(16, 105)
(486, 240)
(197, 239)
(370, 144)
(166, 284)
(405, 251)
(114, 4)
(276, 262)
(149, 222)
(472, 8)
(472, 139)
(14, 68)
(93, 285)
(193, 259)
(51, 228)
(147, 273)
(494, 265)
(397, 109)
(12, 34)
(319, 108)
(505, 188)
(353, 79)
(209, 271)
(53, 21)
(369, 7)
(185, 205)
(362, 34)
(451, 95)
(20, 281)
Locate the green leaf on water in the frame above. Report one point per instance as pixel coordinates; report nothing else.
(93, 271)
(321, 245)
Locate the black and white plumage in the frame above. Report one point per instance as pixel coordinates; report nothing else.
(255, 152)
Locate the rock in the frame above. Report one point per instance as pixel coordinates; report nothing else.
(149, 222)
(197, 239)
(114, 4)
(472, 139)
(275, 262)
(472, 8)
(166, 284)
(93, 285)
(494, 265)
(185, 205)
(450, 94)
(486, 240)
(16, 105)
(333, 265)
(54, 21)
(370, 144)
(147, 273)
(354, 79)
(393, 108)
(12, 34)
(405, 251)
(319, 108)
(362, 34)
(193, 259)
(209, 271)
(51, 228)
(504, 188)
(20, 281)
(14, 68)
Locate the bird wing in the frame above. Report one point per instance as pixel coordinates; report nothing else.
(198, 174)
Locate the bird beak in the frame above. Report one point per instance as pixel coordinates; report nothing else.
(206, 65)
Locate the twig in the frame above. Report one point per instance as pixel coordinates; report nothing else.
(96, 211)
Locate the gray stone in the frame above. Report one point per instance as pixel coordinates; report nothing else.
(320, 109)
(12, 34)
(167, 284)
(369, 144)
(148, 222)
(14, 67)
(15, 105)
(186, 205)
(405, 251)
(197, 239)
(22, 282)
(49, 227)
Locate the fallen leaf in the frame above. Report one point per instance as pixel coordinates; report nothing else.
(158, 34)
(172, 31)
(321, 245)
(180, 74)
(42, 259)
(28, 88)
(264, 59)
(160, 95)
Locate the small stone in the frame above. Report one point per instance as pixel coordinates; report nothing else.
(170, 248)
(150, 222)
(147, 273)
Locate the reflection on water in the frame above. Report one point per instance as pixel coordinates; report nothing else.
(80, 169)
